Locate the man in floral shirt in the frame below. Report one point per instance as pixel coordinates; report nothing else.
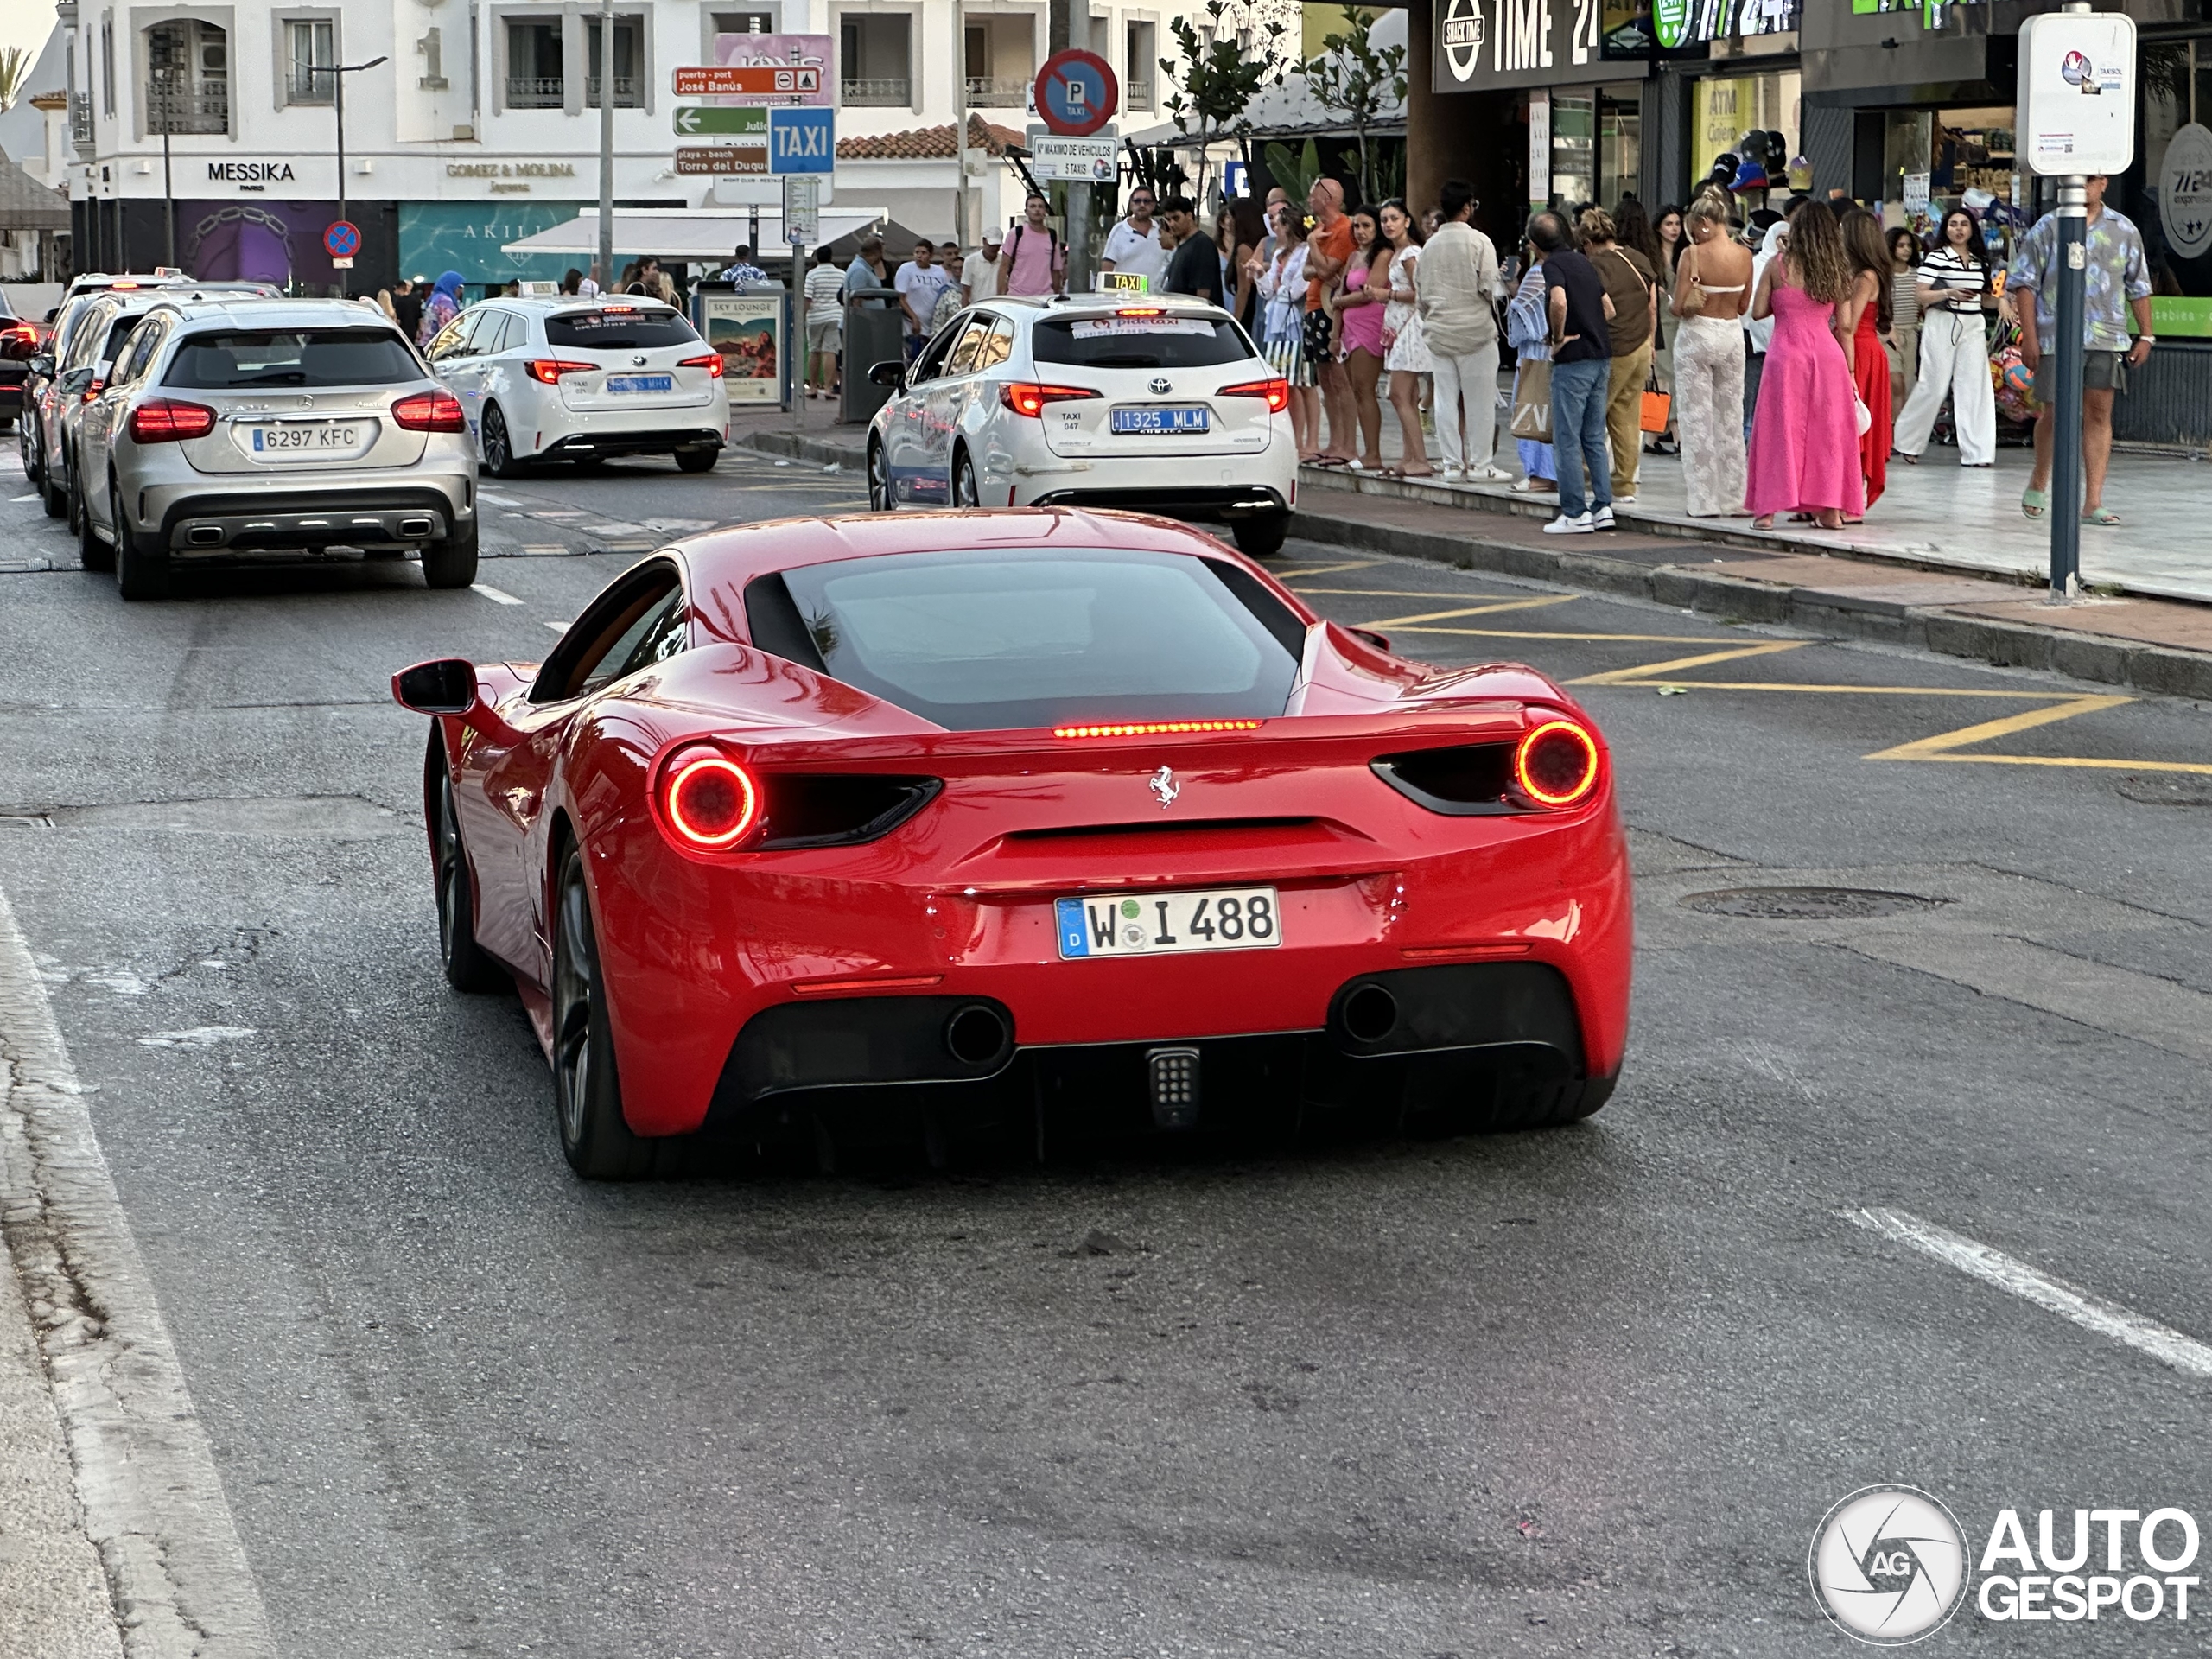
(2118, 279)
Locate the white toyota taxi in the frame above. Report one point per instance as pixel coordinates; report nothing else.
(582, 379)
(1154, 402)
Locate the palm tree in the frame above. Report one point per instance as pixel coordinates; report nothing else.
(15, 70)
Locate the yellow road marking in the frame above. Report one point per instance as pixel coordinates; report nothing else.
(1648, 670)
(1389, 593)
(1332, 569)
(1471, 610)
(1861, 690)
(1928, 748)
(1524, 633)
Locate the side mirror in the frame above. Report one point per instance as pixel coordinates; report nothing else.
(893, 375)
(76, 380)
(42, 365)
(447, 686)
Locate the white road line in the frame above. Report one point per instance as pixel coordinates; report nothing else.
(2185, 1354)
(149, 1500)
(498, 500)
(559, 627)
(496, 596)
(17, 500)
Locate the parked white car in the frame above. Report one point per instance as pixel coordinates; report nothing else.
(1158, 404)
(581, 379)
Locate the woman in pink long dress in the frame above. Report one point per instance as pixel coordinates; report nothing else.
(1804, 451)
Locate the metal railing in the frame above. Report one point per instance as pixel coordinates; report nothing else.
(179, 107)
(879, 91)
(537, 92)
(625, 92)
(309, 83)
(80, 117)
(1137, 94)
(997, 92)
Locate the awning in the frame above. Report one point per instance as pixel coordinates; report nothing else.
(27, 205)
(692, 235)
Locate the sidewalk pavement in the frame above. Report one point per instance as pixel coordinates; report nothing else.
(1960, 600)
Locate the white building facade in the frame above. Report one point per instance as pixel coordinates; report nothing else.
(482, 125)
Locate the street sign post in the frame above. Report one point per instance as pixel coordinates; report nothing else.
(802, 140)
(723, 160)
(753, 80)
(716, 121)
(2075, 117)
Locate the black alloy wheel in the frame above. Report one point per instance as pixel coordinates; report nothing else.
(468, 968)
(587, 1091)
(879, 480)
(964, 493)
(499, 449)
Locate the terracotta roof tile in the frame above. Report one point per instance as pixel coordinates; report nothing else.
(927, 144)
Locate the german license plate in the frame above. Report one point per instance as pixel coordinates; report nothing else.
(306, 438)
(641, 383)
(1168, 924)
(1183, 419)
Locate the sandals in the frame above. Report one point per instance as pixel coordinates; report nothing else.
(2104, 518)
(2035, 503)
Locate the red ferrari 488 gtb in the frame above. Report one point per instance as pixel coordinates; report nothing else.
(830, 821)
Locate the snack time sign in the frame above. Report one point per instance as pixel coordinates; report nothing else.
(1486, 44)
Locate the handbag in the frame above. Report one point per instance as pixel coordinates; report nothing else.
(1864, 415)
(1532, 403)
(1693, 300)
(1658, 403)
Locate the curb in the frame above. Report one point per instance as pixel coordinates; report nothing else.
(2098, 658)
(798, 446)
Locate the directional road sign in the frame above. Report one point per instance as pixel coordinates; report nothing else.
(719, 121)
(1077, 93)
(710, 80)
(802, 140)
(343, 239)
(813, 53)
(722, 160)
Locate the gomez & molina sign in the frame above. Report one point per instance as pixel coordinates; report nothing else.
(511, 169)
(1483, 44)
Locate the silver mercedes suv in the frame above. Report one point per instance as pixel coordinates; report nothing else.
(275, 427)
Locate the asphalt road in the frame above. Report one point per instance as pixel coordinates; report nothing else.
(1580, 1392)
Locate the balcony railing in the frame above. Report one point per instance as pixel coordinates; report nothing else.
(997, 92)
(537, 92)
(625, 92)
(880, 91)
(1137, 94)
(306, 85)
(179, 107)
(80, 119)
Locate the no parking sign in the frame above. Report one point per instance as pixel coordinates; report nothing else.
(1077, 93)
(342, 241)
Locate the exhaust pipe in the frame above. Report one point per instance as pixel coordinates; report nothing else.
(203, 536)
(1371, 1015)
(409, 527)
(977, 1035)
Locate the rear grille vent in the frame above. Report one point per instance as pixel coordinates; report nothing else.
(1162, 826)
(840, 809)
(1467, 781)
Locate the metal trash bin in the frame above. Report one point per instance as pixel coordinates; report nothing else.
(873, 335)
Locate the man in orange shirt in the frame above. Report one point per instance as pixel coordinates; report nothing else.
(1329, 249)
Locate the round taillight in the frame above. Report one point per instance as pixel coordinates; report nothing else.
(1556, 763)
(710, 800)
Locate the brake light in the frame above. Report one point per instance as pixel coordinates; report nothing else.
(1157, 727)
(430, 411)
(1277, 393)
(1027, 398)
(1556, 763)
(709, 800)
(93, 388)
(550, 370)
(162, 420)
(712, 363)
(618, 308)
(1141, 311)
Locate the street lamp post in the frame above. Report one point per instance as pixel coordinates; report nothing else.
(607, 145)
(338, 72)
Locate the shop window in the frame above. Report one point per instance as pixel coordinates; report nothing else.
(1141, 60)
(311, 44)
(534, 74)
(874, 60)
(629, 60)
(2173, 207)
(1597, 145)
(189, 77)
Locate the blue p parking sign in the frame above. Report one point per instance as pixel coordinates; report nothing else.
(802, 140)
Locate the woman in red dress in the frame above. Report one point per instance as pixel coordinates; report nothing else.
(1862, 322)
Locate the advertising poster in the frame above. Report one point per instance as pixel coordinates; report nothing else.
(276, 242)
(747, 329)
(470, 237)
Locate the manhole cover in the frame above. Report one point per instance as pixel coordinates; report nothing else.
(2166, 789)
(1809, 904)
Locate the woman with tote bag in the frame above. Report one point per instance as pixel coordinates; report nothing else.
(1528, 330)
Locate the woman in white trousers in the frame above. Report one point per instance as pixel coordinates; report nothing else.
(1954, 348)
(1712, 277)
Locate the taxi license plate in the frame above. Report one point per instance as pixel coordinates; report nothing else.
(1187, 418)
(1168, 924)
(305, 437)
(641, 383)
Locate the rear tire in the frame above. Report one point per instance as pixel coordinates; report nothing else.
(879, 480)
(1261, 536)
(498, 446)
(587, 1091)
(698, 461)
(51, 496)
(452, 562)
(468, 968)
(92, 552)
(964, 493)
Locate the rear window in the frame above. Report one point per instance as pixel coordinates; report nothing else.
(236, 360)
(983, 640)
(1134, 341)
(619, 331)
